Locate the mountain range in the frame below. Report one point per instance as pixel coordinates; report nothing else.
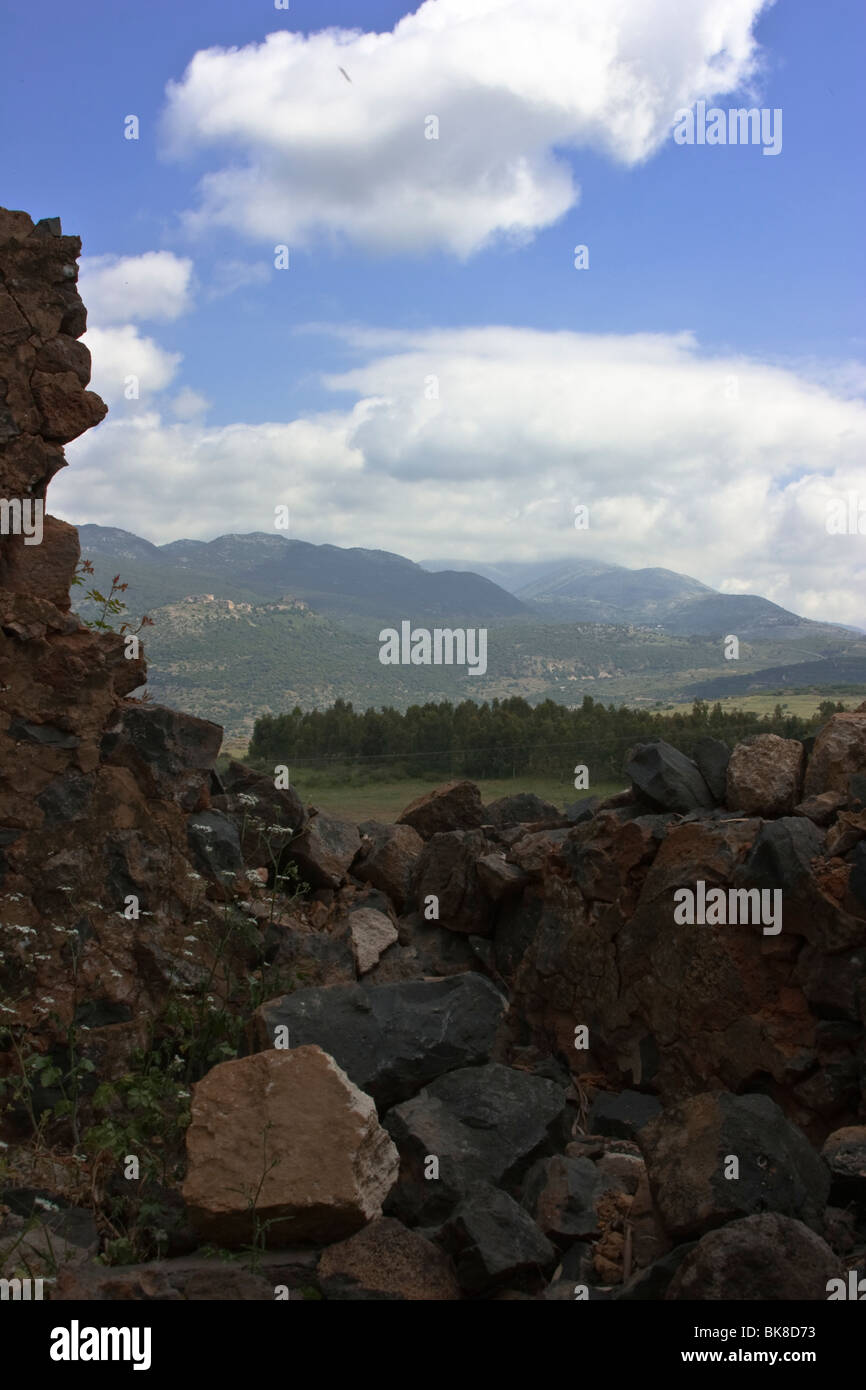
(252, 624)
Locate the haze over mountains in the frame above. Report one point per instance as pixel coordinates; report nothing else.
(593, 591)
(257, 623)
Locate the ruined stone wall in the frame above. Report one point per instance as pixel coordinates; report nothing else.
(96, 790)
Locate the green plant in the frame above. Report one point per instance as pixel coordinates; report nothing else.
(112, 606)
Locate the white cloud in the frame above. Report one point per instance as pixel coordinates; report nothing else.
(128, 368)
(644, 429)
(189, 404)
(118, 289)
(231, 275)
(305, 154)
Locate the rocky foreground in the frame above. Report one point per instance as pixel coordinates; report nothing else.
(250, 1051)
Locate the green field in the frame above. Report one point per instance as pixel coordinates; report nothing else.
(384, 801)
(802, 703)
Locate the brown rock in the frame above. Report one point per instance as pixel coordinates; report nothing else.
(66, 410)
(764, 776)
(387, 1261)
(325, 850)
(821, 809)
(848, 831)
(839, 751)
(498, 878)
(447, 871)
(294, 1122)
(389, 856)
(456, 806)
(762, 1258)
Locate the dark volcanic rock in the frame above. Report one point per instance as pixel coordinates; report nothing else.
(520, 808)
(711, 757)
(493, 1241)
(448, 872)
(216, 847)
(169, 753)
(690, 1151)
(561, 1195)
(391, 1039)
(483, 1124)
(766, 1257)
(667, 778)
(621, 1116)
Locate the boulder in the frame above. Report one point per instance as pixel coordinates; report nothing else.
(494, 1241)
(765, 776)
(786, 856)
(667, 778)
(482, 1124)
(821, 809)
(848, 831)
(456, 806)
(387, 1261)
(498, 878)
(561, 1194)
(215, 848)
(387, 860)
(761, 1258)
(284, 1138)
(425, 949)
(844, 1152)
(169, 753)
(711, 758)
(324, 851)
(520, 808)
(312, 957)
(195, 1278)
(269, 817)
(448, 872)
(391, 1039)
(371, 933)
(690, 1151)
(839, 753)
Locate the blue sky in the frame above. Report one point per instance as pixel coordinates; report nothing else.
(610, 385)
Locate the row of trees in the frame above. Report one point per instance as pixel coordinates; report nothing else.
(501, 739)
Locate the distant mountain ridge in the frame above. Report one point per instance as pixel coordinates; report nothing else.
(253, 624)
(595, 591)
(347, 584)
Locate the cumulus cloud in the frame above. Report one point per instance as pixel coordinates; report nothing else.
(128, 368)
(478, 444)
(121, 289)
(305, 154)
(189, 404)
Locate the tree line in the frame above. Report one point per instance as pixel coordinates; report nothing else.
(500, 738)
